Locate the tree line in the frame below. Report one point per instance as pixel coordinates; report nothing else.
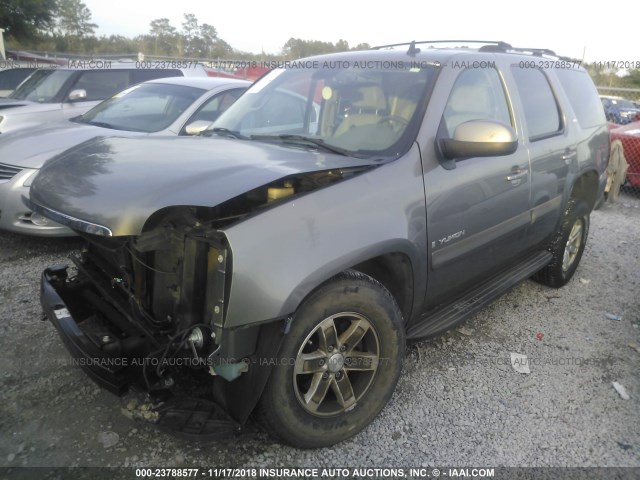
(65, 26)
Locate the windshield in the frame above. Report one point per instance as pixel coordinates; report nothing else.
(42, 86)
(148, 107)
(356, 111)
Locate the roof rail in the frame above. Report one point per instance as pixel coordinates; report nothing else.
(487, 46)
(534, 51)
(497, 43)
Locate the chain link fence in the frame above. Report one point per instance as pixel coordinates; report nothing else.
(622, 108)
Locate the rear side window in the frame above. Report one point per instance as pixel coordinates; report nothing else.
(11, 78)
(541, 110)
(101, 84)
(583, 97)
(213, 108)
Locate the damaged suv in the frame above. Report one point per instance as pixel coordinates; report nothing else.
(344, 205)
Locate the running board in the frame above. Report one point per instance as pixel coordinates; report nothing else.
(442, 319)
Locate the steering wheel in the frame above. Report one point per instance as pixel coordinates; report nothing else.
(396, 122)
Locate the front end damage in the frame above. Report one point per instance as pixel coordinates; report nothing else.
(146, 314)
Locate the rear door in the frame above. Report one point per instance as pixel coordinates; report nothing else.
(549, 138)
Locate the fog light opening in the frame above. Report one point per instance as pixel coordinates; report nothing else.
(39, 220)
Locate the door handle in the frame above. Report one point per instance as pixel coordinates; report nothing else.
(517, 174)
(568, 156)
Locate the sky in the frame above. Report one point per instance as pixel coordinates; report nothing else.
(574, 29)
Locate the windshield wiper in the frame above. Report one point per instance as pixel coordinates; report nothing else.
(302, 140)
(224, 132)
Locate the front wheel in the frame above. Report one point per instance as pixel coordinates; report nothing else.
(567, 246)
(338, 365)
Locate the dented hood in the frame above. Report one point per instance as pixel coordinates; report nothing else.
(118, 183)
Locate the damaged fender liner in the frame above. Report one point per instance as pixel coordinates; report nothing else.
(189, 416)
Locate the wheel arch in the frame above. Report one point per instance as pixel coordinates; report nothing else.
(395, 268)
(585, 188)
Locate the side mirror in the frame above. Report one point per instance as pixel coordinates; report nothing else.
(479, 138)
(197, 127)
(77, 95)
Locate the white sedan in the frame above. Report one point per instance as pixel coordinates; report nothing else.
(167, 106)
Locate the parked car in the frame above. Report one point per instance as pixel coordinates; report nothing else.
(280, 267)
(629, 135)
(620, 110)
(12, 77)
(53, 94)
(167, 106)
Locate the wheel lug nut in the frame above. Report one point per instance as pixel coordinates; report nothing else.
(330, 348)
(325, 376)
(343, 348)
(338, 375)
(321, 362)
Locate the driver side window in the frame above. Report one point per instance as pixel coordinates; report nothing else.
(477, 95)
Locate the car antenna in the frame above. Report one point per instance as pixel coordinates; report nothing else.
(413, 50)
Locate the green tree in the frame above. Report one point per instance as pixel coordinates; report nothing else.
(298, 48)
(74, 19)
(164, 37)
(24, 19)
(190, 35)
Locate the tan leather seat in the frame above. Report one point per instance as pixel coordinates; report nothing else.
(369, 108)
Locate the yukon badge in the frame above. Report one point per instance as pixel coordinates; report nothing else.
(447, 239)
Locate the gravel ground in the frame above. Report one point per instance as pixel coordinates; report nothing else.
(459, 401)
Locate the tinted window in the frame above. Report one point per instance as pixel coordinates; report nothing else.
(43, 86)
(11, 78)
(540, 108)
(101, 84)
(476, 95)
(583, 97)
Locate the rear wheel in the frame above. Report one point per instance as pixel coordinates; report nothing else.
(567, 246)
(338, 365)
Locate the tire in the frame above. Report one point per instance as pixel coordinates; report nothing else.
(352, 380)
(567, 246)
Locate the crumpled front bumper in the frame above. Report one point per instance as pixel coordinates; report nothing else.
(107, 371)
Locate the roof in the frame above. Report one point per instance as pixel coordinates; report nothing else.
(207, 83)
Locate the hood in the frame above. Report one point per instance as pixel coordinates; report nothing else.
(10, 103)
(118, 183)
(31, 147)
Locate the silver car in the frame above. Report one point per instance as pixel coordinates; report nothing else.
(57, 93)
(168, 106)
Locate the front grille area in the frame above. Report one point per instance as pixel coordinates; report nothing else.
(7, 172)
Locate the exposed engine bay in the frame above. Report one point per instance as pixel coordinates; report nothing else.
(148, 312)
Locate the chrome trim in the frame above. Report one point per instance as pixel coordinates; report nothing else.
(68, 221)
